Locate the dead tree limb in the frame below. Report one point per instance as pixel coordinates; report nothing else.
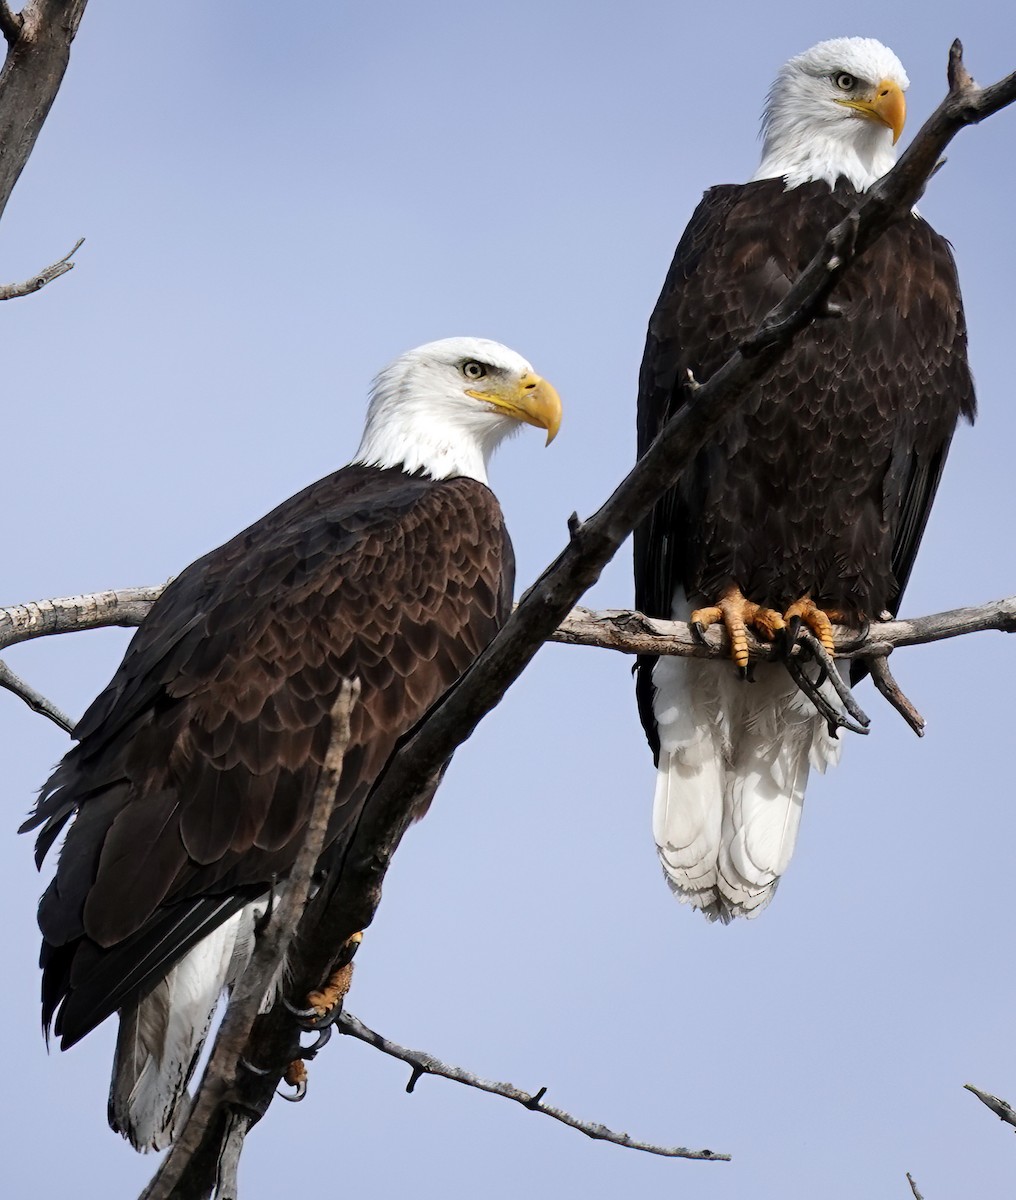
(423, 1063)
(35, 700)
(620, 629)
(913, 1187)
(1001, 1108)
(266, 963)
(39, 46)
(623, 630)
(12, 291)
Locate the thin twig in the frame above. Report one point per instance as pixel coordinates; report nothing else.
(1001, 1108)
(10, 23)
(913, 1187)
(423, 1063)
(12, 291)
(35, 700)
(266, 961)
(884, 680)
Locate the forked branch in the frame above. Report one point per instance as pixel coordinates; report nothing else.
(12, 291)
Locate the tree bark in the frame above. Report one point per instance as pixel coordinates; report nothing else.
(39, 47)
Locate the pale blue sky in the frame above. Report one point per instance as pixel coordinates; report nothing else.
(277, 200)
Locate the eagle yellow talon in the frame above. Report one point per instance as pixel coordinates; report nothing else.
(296, 1074)
(738, 615)
(334, 991)
(819, 621)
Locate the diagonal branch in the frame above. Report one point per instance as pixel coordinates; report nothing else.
(266, 962)
(426, 1064)
(12, 291)
(35, 700)
(30, 78)
(1001, 1108)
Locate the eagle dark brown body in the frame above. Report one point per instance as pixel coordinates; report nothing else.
(816, 493)
(822, 482)
(196, 767)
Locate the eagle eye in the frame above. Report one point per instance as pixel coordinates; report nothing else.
(845, 82)
(473, 370)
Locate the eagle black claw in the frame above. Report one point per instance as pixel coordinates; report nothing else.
(302, 1014)
(297, 1096)
(698, 632)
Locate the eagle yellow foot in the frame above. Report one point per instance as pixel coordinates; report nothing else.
(295, 1075)
(325, 1001)
(819, 620)
(738, 615)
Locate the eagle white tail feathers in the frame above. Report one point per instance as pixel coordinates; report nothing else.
(734, 762)
(161, 1036)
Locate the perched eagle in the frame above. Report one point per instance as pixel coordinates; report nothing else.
(811, 503)
(192, 780)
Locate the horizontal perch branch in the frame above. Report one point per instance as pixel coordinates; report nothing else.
(620, 629)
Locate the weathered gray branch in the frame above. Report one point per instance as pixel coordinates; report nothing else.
(35, 700)
(1001, 1108)
(623, 630)
(913, 1187)
(220, 1076)
(620, 629)
(11, 291)
(39, 45)
(423, 1063)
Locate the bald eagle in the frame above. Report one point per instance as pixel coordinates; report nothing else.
(191, 783)
(811, 503)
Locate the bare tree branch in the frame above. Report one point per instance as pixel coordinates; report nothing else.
(263, 971)
(620, 629)
(31, 77)
(913, 1187)
(423, 1063)
(632, 633)
(10, 23)
(12, 291)
(1001, 1108)
(886, 683)
(35, 700)
(71, 614)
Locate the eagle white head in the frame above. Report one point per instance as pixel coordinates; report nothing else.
(444, 407)
(835, 111)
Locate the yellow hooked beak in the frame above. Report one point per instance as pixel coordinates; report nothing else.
(887, 105)
(530, 399)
